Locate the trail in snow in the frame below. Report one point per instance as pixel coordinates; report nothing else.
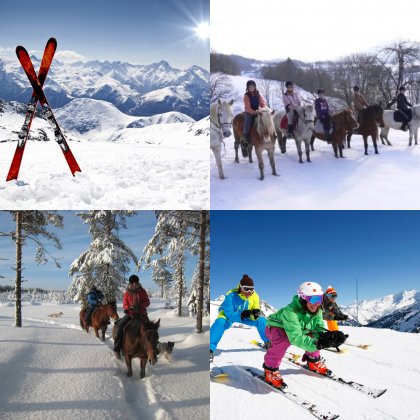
(391, 362)
(55, 370)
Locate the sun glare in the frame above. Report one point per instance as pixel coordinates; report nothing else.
(203, 30)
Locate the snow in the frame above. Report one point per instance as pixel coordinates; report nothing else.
(357, 182)
(161, 166)
(54, 370)
(391, 362)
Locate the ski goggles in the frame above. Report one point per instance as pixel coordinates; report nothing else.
(314, 300)
(332, 295)
(247, 289)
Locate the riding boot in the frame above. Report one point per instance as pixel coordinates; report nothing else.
(289, 131)
(404, 126)
(328, 137)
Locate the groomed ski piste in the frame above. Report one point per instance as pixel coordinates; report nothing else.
(356, 182)
(392, 362)
(51, 369)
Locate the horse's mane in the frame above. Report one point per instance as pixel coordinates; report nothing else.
(264, 122)
(213, 112)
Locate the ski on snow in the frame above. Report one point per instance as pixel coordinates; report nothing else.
(216, 372)
(28, 67)
(307, 405)
(371, 392)
(47, 58)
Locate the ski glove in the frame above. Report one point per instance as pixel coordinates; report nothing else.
(245, 314)
(331, 339)
(341, 317)
(256, 313)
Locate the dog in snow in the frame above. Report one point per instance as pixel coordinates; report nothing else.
(166, 349)
(56, 315)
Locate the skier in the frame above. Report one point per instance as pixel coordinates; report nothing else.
(330, 310)
(135, 302)
(291, 102)
(323, 113)
(94, 298)
(252, 101)
(299, 323)
(241, 304)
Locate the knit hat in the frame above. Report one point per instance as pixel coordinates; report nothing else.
(246, 281)
(330, 290)
(133, 279)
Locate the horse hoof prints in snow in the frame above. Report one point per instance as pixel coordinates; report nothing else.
(100, 318)
(262, 135)
(140, 339)
(220, 125)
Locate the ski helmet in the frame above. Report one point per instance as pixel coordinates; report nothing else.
(250, 83)
(311, 292)
(402, 88)
(331, 291)
(289, 83)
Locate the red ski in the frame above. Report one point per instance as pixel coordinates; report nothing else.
(47, 58)
(28, 67)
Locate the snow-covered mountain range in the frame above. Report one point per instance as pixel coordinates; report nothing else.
(133, 89)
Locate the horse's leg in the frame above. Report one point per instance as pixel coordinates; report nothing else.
(384, 136)
(312, 142)
(375, 143)
(410, 136)
(103, 332)
(270, 152)
(335, 147)
(250, 153)
(258, 152)
(96, 331)
(217, 151)
(365, 143)
(299, 149)
(307, 149)
(128, 363)
(349, 134)
(143, 362)
(415, 135)
(236, 145)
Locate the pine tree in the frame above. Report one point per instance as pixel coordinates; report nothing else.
(106, 262)
(32, 225)
(161, 275)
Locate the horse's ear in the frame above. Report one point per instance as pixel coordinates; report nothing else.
(231, 102)
(157, 323)
(219, 102)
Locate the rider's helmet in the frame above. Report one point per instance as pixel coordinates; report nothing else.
(250, 83)
(133, 279)
(289, 84)
(320, 91)
(356, 88)
(402, 88)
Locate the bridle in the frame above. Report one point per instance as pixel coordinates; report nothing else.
(306, 120)
(219, 124)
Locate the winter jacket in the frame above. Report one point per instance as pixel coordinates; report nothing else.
(359, 102)
(330, 310)
(95, 298)
(301, 326)
(253, 101)
(136, 298)
(402, 103)
(235, 302)
(291, 99)
(321, 108)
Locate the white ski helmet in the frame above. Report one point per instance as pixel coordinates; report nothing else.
(311, 292)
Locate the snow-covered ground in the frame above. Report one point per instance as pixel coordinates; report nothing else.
(391, 362)
(385, 181)
(51, 369)
(162, 166)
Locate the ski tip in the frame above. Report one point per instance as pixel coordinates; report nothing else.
(52, 40)
(20, 49)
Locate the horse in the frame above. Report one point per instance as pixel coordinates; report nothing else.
(140, 339)
(302, 132)
(262, 136)
(100, 318)
(342, 122)
(371, 118)
(221, 116)
(391, 123)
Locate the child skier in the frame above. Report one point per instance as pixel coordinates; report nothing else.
(301, 324)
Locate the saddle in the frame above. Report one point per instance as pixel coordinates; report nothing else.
(319, 127)
(400, 116)
(283, 122)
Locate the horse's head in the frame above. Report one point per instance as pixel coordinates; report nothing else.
(308, 116)
(112, 310)
(225, 116)
(150, 337)
(378, 113)
(265, 124)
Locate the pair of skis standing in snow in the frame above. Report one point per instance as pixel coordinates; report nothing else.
(301, 323)
(38, 95)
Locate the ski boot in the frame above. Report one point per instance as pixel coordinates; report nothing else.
(273, 377)
(316, 364)
(266, 345)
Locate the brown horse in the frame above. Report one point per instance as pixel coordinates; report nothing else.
(342, 122)
(371, 118)
(140, 339)
(262, 136)
(100, 318)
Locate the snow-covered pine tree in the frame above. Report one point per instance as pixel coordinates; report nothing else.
(106, 262)
(161, 275)
(32, 225)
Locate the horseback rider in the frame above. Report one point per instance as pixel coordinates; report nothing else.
(94, 297)
(359, 104)
(323, 113)
(403, 106)
(291, 102)
(252, 101)
(135, 302)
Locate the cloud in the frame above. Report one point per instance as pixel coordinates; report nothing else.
(68, 56)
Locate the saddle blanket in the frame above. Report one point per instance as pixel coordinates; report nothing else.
(319, 128)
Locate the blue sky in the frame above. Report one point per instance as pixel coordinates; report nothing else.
(135, 31)
(75, 239)
(282, 249)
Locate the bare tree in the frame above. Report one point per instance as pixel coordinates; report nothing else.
(265, 88)
(220, 87)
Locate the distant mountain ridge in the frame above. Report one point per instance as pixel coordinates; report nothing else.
(138, 90)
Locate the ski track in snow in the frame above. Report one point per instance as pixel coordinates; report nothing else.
(391, 362)
(114, 176)
(55, 370)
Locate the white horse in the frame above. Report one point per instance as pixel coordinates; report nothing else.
(303, 131)
(391, 123)
(221, 116)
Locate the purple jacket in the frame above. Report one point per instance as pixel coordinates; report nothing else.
(321, 108)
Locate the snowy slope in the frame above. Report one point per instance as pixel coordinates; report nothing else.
(54, 370)
(372, 310)
(384, 181)
(241, 397)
